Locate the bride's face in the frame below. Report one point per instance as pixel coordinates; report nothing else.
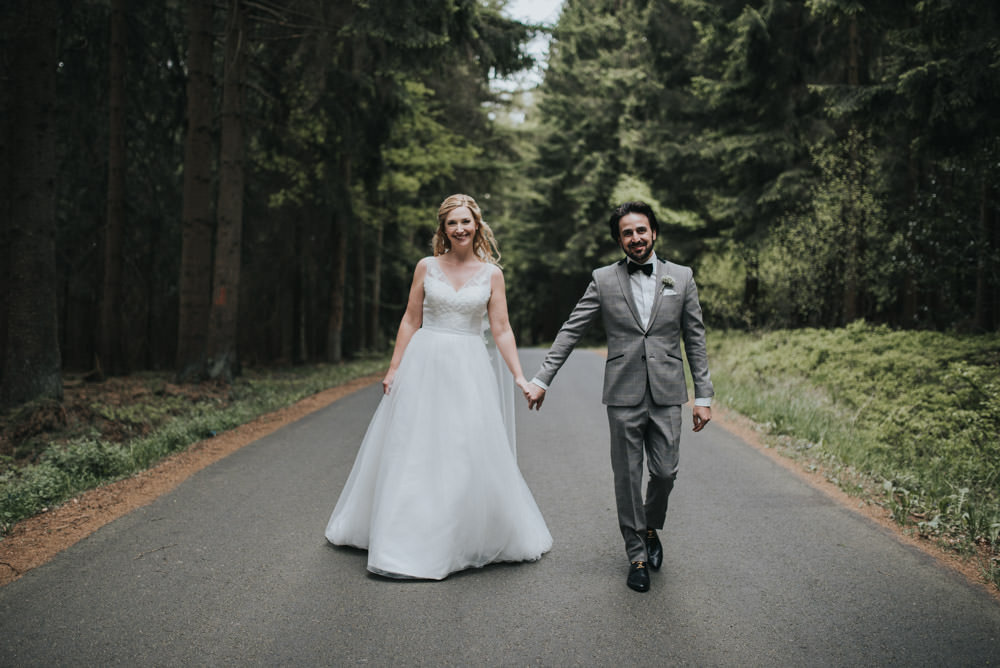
(460, 227)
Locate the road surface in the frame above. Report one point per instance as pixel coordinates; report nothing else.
(760, 569)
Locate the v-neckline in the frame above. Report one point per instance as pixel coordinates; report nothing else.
(448, 280)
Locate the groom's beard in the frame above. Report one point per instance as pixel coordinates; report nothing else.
(635, 257)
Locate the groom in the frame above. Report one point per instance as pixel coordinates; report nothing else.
(648, 307)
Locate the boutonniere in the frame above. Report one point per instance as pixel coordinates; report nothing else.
(667, 283)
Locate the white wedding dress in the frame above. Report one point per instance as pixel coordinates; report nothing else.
(435, 487)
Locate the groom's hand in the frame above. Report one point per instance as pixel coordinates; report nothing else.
(535, 396)
(702, 415)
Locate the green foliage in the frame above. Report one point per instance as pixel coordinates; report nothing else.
(65, 470)
(141, 413)
(88, 463)
(841, 155)
(422, 149)
(629, 188)
(720, 277)
(585, 149)
(749, 76)
(29, 491)
(919, 411)
(835, 243)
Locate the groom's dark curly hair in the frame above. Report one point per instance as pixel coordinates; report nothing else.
(632, 207)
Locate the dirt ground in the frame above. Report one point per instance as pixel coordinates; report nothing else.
(35, 541)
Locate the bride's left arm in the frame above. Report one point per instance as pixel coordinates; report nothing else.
(500, 327)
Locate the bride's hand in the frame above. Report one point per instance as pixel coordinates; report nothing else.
(387, 381)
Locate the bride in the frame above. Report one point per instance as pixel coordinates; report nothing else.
(435, 487)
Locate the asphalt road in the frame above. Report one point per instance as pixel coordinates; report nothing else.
(760, 569)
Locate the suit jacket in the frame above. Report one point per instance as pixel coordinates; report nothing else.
(637, 355)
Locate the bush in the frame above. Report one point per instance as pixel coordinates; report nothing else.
(918, 413)
(26, 492)
(90, 462)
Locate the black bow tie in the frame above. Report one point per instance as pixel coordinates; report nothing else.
(644, 268)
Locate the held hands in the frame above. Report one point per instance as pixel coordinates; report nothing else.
(534, 394)
(702, 415)
(531, 393)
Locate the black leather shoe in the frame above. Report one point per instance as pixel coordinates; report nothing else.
(654, 549)
(638, 576)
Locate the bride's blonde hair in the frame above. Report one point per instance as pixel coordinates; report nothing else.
(483, 244)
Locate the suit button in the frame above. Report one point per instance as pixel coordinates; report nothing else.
(643, 358)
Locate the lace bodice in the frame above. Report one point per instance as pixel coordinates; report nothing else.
(453, 310)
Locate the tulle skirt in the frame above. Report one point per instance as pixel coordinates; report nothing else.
(435, 487)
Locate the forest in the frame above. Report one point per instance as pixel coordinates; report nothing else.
(204, 186)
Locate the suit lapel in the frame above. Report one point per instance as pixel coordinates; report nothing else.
(626, 286)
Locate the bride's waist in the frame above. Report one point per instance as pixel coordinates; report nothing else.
(457, 331)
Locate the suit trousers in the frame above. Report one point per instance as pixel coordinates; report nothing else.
(656, 431)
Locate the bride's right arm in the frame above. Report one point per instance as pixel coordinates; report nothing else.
(408, 326)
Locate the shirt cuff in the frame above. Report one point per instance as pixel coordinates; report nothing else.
(540, 384)
(703, 401)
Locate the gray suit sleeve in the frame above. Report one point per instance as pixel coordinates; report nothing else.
(579, 321)
(693, 330)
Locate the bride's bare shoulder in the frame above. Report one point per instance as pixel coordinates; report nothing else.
(422, 265)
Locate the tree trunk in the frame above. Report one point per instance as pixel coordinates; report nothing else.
(908, 307)
(153, 356)
(986, 297)
(852, 259)
(302, 286)
(110, 340)
(335, 329)
(374, 326)
(341, 216)
(301, 318)
(360, 277)
(197, 217)
(6, 107)
(221, 361)
(32, 360)
(851, 262)
(284, 328)
(751, 286)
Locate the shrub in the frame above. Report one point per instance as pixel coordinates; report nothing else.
(917, 410)
(88, 463)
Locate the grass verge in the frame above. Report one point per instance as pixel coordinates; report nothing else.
(72, 463)
(909, 420)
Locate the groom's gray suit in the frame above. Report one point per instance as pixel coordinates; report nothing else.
(644, 384)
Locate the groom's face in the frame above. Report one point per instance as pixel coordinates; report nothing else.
(636, 237)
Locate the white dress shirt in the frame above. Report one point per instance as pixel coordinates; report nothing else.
(644, 291)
